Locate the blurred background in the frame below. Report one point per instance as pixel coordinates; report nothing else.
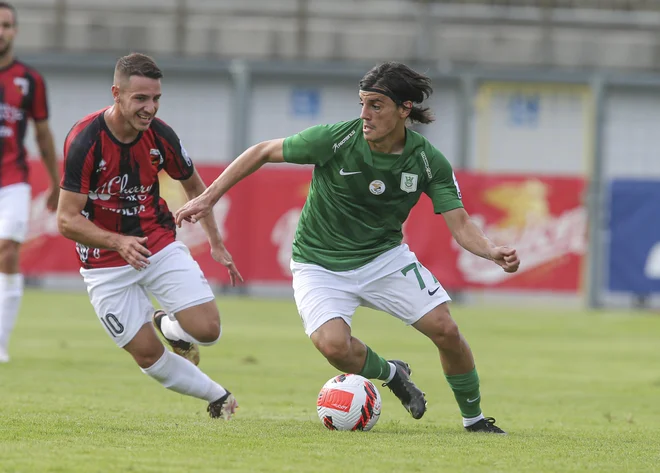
(548, 110)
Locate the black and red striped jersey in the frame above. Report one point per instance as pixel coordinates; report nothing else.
(22, 97)
(121, 182)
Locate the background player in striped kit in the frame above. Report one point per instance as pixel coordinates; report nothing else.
(22, 97)
(348, 251)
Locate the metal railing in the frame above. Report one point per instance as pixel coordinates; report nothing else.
(320, 29)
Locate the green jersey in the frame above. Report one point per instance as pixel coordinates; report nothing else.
(359, 198)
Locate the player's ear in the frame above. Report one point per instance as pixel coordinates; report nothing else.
(405, 108)
(115, 93)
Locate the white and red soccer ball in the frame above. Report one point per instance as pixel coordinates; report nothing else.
(349, 402)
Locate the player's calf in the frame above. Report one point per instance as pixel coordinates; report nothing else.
(188, 350)
(199, 324)
(4, 355)
(182, 377)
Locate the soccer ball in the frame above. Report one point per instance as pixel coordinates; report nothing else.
(349, 402)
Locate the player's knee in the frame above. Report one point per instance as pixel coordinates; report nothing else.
(335, 350)
(212, 334)
(446, 333)
(9, 251)
(451, 332)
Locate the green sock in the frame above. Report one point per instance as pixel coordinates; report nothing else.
(466, 392)
(375, 366)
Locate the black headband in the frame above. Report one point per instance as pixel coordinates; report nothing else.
(394, 98)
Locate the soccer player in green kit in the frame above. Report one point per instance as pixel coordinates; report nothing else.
(348, 249)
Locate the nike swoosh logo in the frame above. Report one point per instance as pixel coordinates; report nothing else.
(473, 400)
(432, 292)
(344, 173)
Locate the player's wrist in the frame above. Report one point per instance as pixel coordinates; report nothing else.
(216, 242)
(114, 241)
(492, 251)
(212, 198)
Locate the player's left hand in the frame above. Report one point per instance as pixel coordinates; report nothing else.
(222, 256)
(506, 258)
(52, 197)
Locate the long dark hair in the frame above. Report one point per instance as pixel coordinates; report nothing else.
(401, 84)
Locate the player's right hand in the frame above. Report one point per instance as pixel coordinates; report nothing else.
(193, 210)
(134, 251)
(506, 258)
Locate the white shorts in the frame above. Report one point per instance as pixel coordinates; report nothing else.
(15, 201)
(395, 282)
(120, 298)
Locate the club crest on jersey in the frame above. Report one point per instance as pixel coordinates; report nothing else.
(377, 187)
(156, 157)
(102, 166)
(408, 182)
(23, 84)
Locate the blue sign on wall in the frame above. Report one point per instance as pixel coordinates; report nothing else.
(524, 110)
(634, 252)
(305, 102)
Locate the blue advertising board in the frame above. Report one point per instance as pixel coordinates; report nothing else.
(634, 227)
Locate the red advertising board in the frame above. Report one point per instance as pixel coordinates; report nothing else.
(544, 218)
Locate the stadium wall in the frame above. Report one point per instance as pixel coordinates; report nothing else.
(596, 126)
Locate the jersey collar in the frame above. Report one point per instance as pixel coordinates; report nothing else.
(396, 163)
(114, 139)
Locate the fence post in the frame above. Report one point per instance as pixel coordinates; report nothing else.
(59, 34)
(181, 28)
(466, 96)
(302, 20)
(596, 199)
(242, 83)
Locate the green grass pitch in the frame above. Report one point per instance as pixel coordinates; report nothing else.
(577, 391)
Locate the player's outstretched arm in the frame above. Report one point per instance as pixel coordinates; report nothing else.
(194, 186)
(469, 236)
(44, 138)
(252, 159)
(74, 226)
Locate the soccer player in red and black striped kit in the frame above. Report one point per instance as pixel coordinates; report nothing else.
(22, 98)
(110, 205)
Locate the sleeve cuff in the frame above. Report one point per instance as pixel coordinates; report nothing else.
(447, 206)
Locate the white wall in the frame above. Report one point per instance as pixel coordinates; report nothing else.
(631, 144)
(198, 108)
(443, 132)
(529, 127)
(274, 114)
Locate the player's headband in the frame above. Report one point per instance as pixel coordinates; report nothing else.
(387, 93)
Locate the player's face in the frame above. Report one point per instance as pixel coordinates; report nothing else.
(7, 30)
(380, 116)
(138, 99)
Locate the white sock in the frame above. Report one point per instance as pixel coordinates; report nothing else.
(11, 293)
(468, 421)
(172, 329)
(181, 376)
(392, 372)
